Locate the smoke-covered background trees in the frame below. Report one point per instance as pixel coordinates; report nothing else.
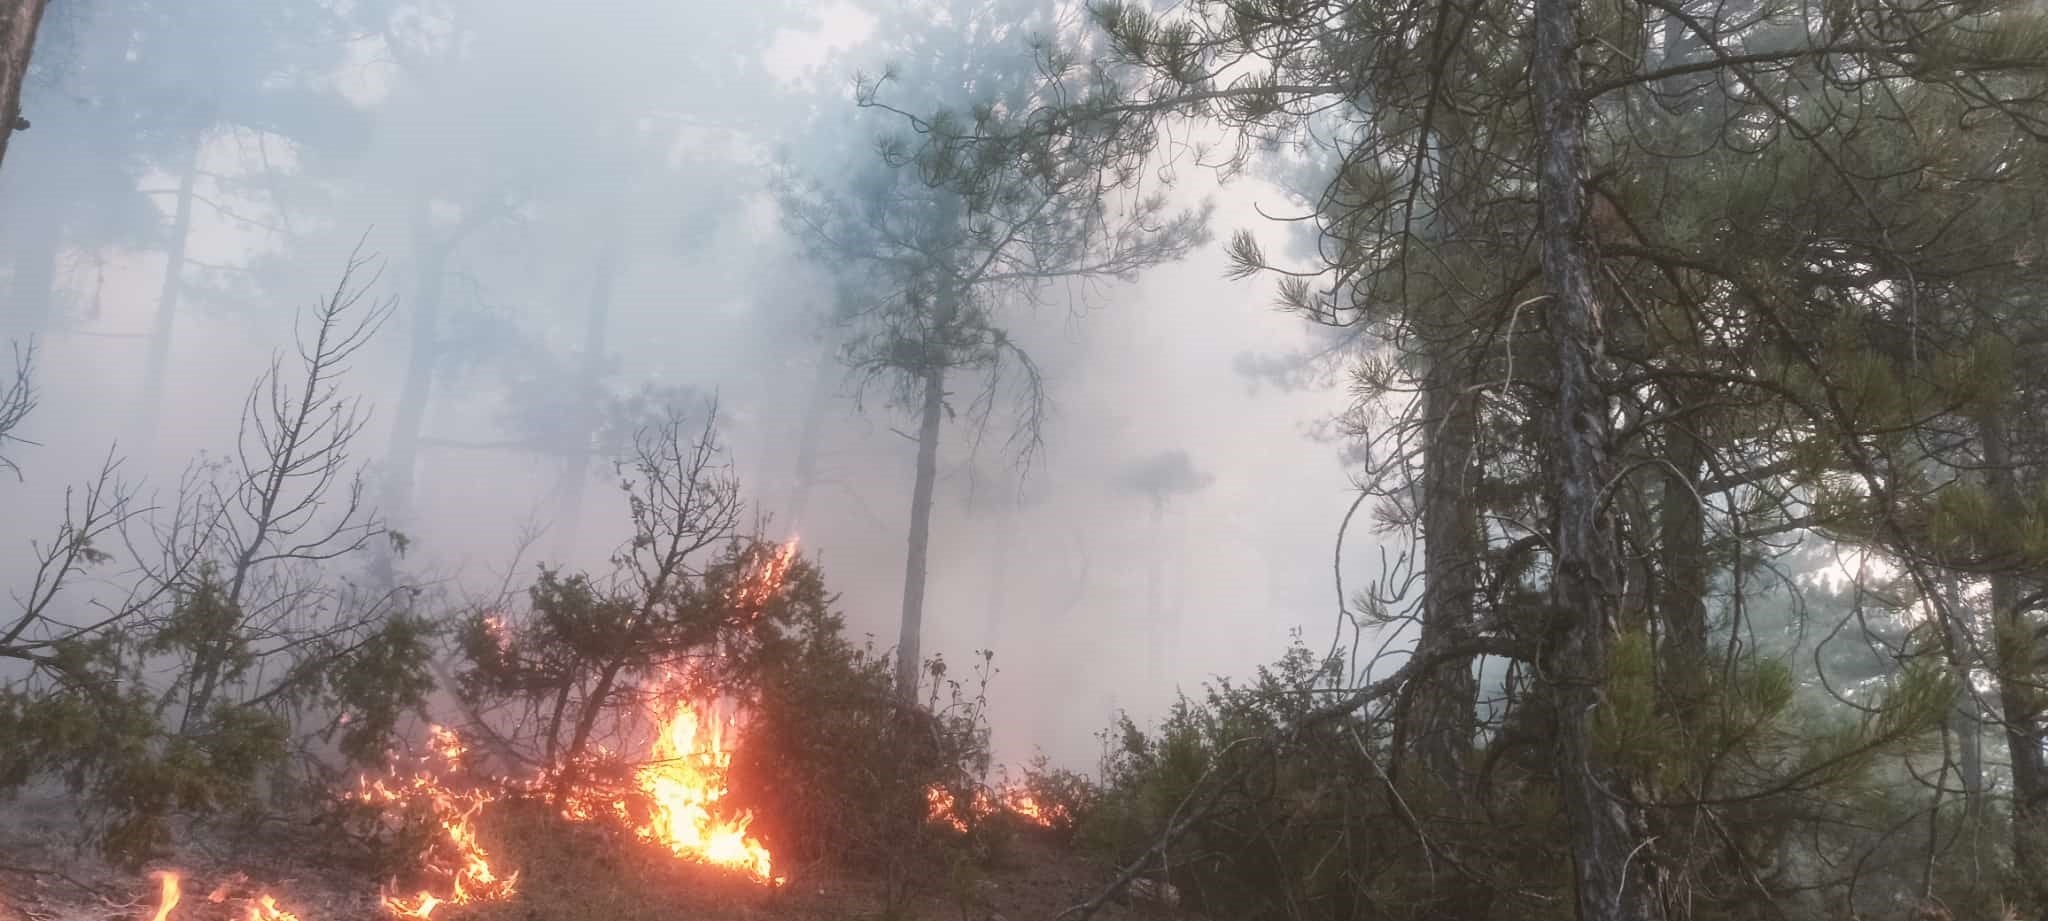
(1633, 509)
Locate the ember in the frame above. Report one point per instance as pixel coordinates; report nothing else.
(457, 858)
(262, 907)
(944, 807)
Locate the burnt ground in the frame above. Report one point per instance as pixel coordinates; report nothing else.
(567, 873)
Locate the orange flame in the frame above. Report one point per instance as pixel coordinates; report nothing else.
(683, 780)
(168, 894)
(685, 774)
(1024, 804)
(263, 907)
(765, 582)
(944, 808)
(457, 858)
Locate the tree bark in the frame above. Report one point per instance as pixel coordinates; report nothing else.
(1682, 596)
(575, 482)
(1966, 720)
(19, 20)
(156, 369)
(1615, 878)
(2018, 666)
(909, 650)
(1441, 718)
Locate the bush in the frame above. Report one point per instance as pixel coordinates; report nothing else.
(232, 646)
(1055, 799)
(1297, 825)
(837, 769)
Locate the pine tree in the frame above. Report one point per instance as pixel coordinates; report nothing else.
(943, 234)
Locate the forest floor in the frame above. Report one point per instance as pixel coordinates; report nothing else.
(565, 875)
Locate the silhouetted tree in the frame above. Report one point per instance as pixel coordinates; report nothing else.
(944, 236)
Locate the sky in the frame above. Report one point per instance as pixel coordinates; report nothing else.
(1051, 566)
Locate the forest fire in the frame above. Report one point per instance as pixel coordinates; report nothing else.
(456, 857)
(1025, 806)
(674, 802)
(170, 893)
(944, 807)
(683, 780)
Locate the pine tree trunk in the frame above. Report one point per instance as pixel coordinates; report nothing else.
(575, 483)
(2018, 666)
(909, 650)
(19, 20)
(1966, 720)
(1438, 724)
(156, 370)
(1441, 717)
(1682, 597)
(1614, 874)
(401, 457)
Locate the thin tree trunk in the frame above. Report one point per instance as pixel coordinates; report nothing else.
(156, 370)
(2018, 663)
(575, 483)
(19, 20)
(1615, 877)
(909, 650)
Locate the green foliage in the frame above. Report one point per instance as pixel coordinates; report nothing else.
(211, 670)
(1298, 828)
(836, 768)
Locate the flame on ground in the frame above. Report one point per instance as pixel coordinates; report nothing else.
(262, 907)
(460, 863)
(683, 781)
(684, 776)
(168, 894)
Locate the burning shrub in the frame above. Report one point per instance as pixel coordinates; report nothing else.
(690, 605)
(1052, 798)
(620, 687)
